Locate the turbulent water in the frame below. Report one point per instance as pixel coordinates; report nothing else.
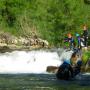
(31, 61)
(41, 82)
(26, 70)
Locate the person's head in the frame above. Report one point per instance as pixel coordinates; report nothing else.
(69, 35)
(85, 27)
(74, 58)
(73, 55)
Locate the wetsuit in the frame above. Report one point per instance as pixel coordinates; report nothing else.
(77, 68)
(85, 36)
(65, 71)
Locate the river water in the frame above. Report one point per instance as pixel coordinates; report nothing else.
(31, 61)
(41, 82)
(26, 70)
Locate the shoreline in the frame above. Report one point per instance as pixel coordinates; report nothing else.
(12, 47)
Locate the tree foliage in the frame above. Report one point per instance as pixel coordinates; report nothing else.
(48, 19)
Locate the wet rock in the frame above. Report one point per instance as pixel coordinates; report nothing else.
(85, 69)
(7, 39)
(4, 49)
(43, 43)
(52, 69)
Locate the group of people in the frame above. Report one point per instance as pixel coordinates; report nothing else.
(82, 40)
(70, 68)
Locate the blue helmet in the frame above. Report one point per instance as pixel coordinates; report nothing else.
(77, 35)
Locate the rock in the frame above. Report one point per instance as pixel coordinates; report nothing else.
(87, 67)
(31, 41)
(15, 40)
(6, 39)
(52, 69)
(4, 49)
(43, 43)
(23, 41)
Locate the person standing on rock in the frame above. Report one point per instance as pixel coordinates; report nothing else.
(85, 35)
(79, 47)
(71, 41)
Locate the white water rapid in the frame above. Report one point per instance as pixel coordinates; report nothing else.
(31, 61)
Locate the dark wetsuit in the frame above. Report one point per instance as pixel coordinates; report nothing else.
(64, 72)
(77, 68)
(85, 36)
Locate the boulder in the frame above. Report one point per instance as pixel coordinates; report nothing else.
(52, 69)
(43, 43)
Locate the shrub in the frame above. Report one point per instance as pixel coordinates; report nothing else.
(85, 57)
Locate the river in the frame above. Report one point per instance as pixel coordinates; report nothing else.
(26, 70)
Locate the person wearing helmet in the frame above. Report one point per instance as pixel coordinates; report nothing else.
(71, 42)
(78, 41)
(79, 47)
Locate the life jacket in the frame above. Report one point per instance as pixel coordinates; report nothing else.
(67, 61)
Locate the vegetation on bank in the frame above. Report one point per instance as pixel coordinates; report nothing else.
(86, 57)
(48, 19)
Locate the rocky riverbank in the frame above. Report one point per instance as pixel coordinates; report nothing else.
(9, 42)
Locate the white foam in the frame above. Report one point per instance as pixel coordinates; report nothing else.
(28, 62)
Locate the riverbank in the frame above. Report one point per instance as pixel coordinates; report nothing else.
(9, 43)
(10, 48)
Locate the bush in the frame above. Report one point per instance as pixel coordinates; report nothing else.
(52, 22)
(85, 57)
(87, 1)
